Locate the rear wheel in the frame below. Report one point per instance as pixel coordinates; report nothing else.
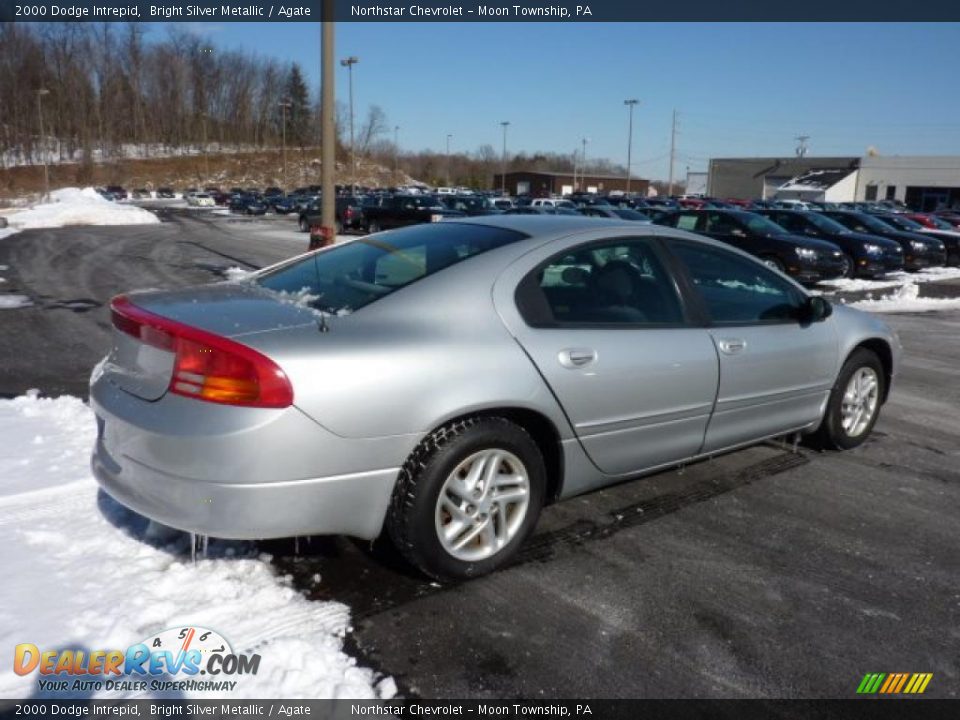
(467, 498)
(373, 226)
(854, 404)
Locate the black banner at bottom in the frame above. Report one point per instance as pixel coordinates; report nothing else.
(872, 709)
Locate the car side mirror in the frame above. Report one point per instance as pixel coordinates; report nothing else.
(815, 309)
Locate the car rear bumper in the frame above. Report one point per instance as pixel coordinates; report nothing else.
(257, 474)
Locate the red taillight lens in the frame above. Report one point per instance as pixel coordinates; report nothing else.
(207, 366)
(348, 213)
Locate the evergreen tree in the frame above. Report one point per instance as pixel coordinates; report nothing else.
(298, 114)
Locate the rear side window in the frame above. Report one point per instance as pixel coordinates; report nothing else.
(737, 290)
(687, 222)
(618, 282)
(352, 275)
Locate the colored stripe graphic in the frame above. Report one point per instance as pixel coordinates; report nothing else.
(894, 683)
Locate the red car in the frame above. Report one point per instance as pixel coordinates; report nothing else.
(949, 216)
(936, 222)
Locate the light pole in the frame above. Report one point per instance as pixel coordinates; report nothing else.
(396, 153)
(448, 158)
(46, 170)
(583, 164)
(328, 137)
(503, 160)
(206, 154)
(284, 105)
(630, 104)
(348, 63)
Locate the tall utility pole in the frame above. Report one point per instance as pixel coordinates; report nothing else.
(348, 63)
(503, 160)
(448, 158)
(630, 104)
(43, 151)
(206, 152)
(673, 147)
(284, 104)
(328, 138)
(396, 153)
(583, 164)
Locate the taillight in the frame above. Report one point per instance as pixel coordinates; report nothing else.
(348, 213)
(207, 366)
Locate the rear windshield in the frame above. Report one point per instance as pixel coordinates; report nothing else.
(346, 278)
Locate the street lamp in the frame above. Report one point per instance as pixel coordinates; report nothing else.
(396, 154)
(503, 160)
(348, 63)
(630, 104)
(284, 106)
(448, 158)
(46, 170)
(583, 164)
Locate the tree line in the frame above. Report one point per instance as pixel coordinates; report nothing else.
(106, 92)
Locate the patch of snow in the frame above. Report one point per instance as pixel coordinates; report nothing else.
(236, 274)
(82, 572)
(73, 206)
(7, 232)
(906, 299)
(12, 302)
(891, 280)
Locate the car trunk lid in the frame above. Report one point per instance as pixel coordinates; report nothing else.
(142, 360)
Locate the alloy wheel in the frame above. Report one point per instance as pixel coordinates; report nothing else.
(860, 401)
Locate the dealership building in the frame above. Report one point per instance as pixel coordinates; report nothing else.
(922, 182)
(545, 184)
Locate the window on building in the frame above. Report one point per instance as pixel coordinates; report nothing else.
(891, 192)
(871, 193)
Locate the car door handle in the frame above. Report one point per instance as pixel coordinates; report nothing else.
(573, 358)
(731, 346)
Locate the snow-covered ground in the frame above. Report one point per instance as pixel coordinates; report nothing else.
(82, 572)
(906, 298)
(892, 280)
(73, 206)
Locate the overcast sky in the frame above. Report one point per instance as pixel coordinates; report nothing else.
(739, 88)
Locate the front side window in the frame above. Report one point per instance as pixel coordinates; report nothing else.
(349, 276)
(621, 282)
(737, 290)
(687, 221)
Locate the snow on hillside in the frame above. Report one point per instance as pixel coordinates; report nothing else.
(82, 572)
(73, 206)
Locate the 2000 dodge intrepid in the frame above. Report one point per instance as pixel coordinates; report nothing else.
(445, 381)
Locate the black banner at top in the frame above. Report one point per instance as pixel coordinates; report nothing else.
(453, 11)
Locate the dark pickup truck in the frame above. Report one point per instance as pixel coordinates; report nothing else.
(348, 210)
(392, 211)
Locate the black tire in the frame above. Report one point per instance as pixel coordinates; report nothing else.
(304, 225)
(772, 261)
(338, 227)
(411, 517)
(373, 226)
(849, 266)
(831, 434)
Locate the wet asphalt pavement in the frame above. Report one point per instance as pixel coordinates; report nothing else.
(769, 572)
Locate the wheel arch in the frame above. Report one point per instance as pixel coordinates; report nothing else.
(544, 433)
(881, 348)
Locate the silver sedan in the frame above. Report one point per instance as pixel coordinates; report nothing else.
(443, 382)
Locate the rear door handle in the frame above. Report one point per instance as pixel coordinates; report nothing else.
(732, 346)
(573, 358)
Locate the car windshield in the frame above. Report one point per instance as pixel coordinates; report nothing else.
(354, 274)
(871, 223)
(629, 214)
(941, 224)
(824, 223)
(902, 222)
(761, 225)
(468, 203)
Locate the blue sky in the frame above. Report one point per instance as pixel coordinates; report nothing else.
(739, 88)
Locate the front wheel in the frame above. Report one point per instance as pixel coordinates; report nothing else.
(467, 498)
(848, 268)
(854, 404)
(373, 227)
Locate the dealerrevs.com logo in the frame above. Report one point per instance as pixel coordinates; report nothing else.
(185, 659)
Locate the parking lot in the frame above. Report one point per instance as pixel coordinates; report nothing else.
(770, 572)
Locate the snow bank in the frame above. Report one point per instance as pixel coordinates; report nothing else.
(82, 572)
(906, 299)
(73, 206)
(891, 280)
